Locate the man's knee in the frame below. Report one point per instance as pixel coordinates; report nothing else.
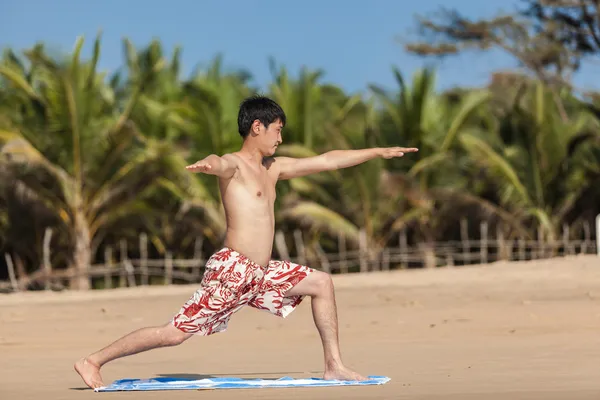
(323, 282)
(172, 336)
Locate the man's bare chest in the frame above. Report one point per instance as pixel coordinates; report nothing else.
(258, 184)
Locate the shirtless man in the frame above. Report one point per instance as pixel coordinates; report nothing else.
(242, 272)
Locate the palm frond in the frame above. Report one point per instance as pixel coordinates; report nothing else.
(309, 189)
(427, 163)
(497, 168)
(470, 105)
(322, 218)
(19, 81)
(17, 149)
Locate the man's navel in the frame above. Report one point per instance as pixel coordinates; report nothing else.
(259, 193)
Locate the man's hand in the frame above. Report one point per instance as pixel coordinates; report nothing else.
(391, 152)
(200, 166)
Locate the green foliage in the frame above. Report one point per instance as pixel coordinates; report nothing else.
(100, 158)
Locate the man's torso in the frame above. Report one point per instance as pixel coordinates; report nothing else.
(248, 198)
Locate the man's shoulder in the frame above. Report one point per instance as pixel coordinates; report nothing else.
(230, 156)
(232, 163)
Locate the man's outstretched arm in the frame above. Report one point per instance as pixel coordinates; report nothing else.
(223, 167)
(335, 159)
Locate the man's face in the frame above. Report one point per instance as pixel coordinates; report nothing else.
(272, 137)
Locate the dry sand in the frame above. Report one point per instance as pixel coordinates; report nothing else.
(503, 331)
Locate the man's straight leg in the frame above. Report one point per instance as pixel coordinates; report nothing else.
(206, 312)
(135, 342)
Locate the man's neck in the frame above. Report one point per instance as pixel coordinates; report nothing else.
(251, 154)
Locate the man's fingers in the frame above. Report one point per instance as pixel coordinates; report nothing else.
(408, 149)
(199, 166)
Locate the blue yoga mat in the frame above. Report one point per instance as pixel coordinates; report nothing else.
(229, 383)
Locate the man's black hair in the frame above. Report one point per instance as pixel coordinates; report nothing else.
(258, 108)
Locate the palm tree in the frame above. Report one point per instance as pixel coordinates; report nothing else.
(536, 162)
(417, 116)
(72, 145)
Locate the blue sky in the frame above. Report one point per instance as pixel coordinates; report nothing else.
(354, 42)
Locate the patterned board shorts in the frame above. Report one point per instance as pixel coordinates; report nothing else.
(232, 281)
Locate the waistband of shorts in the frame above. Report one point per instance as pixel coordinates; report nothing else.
(239, 257)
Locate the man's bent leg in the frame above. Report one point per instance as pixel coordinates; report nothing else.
(135, 342)
(319, 286)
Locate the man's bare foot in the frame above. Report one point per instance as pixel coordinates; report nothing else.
(342, 374)
(89, 372)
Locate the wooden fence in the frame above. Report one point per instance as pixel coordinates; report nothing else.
(122, 271)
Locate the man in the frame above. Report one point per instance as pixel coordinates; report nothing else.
(242, 273)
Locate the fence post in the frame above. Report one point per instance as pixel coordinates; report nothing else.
(363, 249)
(565, 240)
(46, 258)
(449, 259)
(11, 272)
(343, 255)
(385, 261)
(108, 264)
(168, 268)
(130, 273)
(522, 250)
(403, 243)
(483, 245)
(587, 237)
(502, 252)
(123, 270)
(464, 240)
(540, 250)
(144, 258)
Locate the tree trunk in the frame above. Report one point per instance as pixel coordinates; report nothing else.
(429, 258)
(82, 254)
(428, 247)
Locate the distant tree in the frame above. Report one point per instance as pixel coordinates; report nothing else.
(549, 38)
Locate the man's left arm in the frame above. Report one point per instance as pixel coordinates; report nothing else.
(335, 159)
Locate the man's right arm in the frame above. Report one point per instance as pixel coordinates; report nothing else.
(223, 167)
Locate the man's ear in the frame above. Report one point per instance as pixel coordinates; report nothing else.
(256, 127)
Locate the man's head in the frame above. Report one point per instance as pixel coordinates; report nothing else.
(261, 119)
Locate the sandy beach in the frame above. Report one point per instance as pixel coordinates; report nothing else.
(521, 330)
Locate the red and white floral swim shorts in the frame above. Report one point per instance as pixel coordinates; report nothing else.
(232, 281)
